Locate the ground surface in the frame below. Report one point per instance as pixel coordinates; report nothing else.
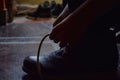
(21, 39)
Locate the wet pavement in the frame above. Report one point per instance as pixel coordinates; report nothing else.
(20, 39)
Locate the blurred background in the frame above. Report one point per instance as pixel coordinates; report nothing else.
(32, 9)
(35, 2)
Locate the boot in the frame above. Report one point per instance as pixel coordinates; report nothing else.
(46, 4)
(53, 4)
(66, 65)
(55, 58)
(57, 10)
(41, 12)
(53, 66)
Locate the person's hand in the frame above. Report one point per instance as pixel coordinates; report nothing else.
(58, 20)
(66, 33)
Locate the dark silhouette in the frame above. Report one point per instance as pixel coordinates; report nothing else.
(87, 44)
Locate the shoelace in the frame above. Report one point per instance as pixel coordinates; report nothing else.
(38, 55)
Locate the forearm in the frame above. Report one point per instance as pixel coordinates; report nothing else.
(89, 11)
(63, 15)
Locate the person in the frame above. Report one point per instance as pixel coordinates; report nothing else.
(7, 11)
(11, 10)
(87, 44)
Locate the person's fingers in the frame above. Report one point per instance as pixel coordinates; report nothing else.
(56, 40)
(59, 37)
(55, 32)
(63, 43)
(74, 41)
(64, 40)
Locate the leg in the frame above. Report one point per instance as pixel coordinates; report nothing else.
(11, 8)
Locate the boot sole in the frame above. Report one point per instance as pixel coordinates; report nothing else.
(51, 77)
(28, 71)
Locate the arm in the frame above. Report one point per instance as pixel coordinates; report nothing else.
(74, 25)
(89, 11)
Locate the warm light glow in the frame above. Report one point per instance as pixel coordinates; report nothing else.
(35, 2)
